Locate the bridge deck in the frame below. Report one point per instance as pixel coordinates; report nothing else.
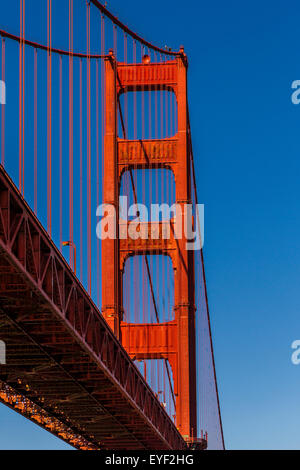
(61, 354)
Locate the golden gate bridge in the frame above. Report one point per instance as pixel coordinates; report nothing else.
(108, 341)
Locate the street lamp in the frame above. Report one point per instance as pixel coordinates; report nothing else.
(72, 244)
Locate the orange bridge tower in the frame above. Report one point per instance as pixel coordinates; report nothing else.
(173, 341)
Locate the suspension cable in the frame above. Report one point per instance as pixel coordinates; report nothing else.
(131, 33)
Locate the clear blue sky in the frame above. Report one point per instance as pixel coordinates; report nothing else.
(243, 58)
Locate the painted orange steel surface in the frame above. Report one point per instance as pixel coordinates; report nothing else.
(174, 340)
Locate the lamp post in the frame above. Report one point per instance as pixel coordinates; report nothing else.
(72, 244)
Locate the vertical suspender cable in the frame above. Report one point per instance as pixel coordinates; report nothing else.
(98, 176)
(144, 189)
(80, 169)
(134, 262)
(71, 195)
(21, 96)
(49, 118)
(60, 158)
(23, 101)
(125, 180)
(115, 40)
(102, 98)
(3, 107)
(171, 111)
